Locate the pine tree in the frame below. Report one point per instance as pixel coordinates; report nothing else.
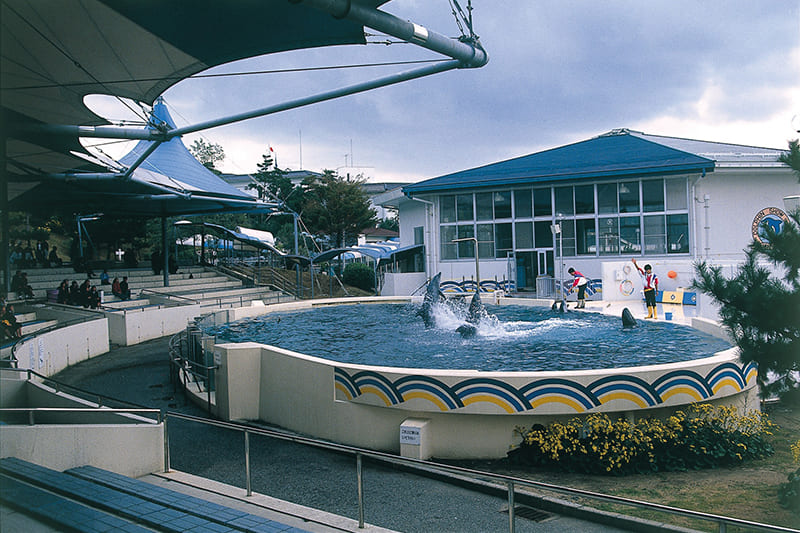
(762, 310)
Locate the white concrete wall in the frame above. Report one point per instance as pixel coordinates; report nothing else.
(735, 197)
(402, 284)
(113, 441)
(130, 450)
(135, 326)
(304, 394)
(52, 352)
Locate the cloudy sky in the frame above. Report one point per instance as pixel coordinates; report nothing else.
(559, 72)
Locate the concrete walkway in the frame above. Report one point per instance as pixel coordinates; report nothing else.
(306, 480)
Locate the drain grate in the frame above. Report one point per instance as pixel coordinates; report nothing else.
(530, 513)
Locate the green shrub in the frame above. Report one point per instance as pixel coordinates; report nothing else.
(703, 437)
(359, 275)
(789, 493)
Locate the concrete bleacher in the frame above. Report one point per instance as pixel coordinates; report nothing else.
(193, 284)
(92, 499)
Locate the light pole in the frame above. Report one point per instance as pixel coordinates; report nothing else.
(477, 260)
(556, 229)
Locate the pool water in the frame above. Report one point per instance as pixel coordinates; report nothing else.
(510, 338)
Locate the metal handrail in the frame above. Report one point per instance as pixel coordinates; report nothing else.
(510, 482)
(99, 399)
(13, 358)
(93, 410)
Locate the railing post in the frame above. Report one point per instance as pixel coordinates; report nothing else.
(247, 462)
(723, 528)
(166, 446)
(511, 517)
(31, 421)
(360, 486)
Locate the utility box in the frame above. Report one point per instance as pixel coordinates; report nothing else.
(415, 438)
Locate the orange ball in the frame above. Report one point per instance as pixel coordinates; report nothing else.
(672, 274)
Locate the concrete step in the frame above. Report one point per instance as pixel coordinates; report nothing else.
(36, 325)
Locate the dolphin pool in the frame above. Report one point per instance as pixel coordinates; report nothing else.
(509, 338)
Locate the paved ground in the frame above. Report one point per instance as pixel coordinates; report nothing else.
(315, 478)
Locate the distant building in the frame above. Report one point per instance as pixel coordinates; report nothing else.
(241, 181)
(624, 194)
(373, 235)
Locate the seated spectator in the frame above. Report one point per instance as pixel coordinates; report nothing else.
(63, 293)
(93, 298)
(104, 278)
(11, 328)
(116, 289)
(124, 289)
(83, 293)
(19, 284)
(74, 293)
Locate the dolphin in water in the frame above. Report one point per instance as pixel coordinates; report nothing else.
(432, 296)
(627, 319)
(474, 314)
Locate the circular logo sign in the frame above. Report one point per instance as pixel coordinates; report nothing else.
(769, 217)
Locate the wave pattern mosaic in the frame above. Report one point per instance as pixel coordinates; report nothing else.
(542, 396)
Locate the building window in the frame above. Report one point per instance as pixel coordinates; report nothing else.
(486, 241)
(503, 242)
(523, 207)
(630, 233)
(676, 194)
(502, 204)
(608, 235)
(447, 235)
(585, 236)
(652, 195)
(655, 235)
(564, 205)
(584, 200)
(542, 203)
(567, 237)
(447, 208)
(678, 234)
(419, 235)
(464, 208)
(543, 237)
(629, 197)
(466, 248)
(483, 206)
(607, 198)
(523, 232)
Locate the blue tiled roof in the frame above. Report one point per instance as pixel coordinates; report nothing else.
(610, 156)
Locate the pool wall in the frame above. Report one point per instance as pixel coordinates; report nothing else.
(453, 414)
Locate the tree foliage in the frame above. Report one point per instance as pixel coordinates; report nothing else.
(762, 310)
(338, 207)
(207, 153)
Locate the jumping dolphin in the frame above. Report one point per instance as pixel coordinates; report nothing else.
(474, 314)
(432, 296)
(627, 319)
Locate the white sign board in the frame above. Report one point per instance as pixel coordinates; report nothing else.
(409, 435)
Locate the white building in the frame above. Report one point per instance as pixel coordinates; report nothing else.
(624, 194)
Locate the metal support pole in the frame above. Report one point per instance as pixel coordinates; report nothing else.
(247, 462)
(360, 484)
(166, 447)
(164, 250)
(511, 517)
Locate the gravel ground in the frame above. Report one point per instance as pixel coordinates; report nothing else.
(320, 479)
